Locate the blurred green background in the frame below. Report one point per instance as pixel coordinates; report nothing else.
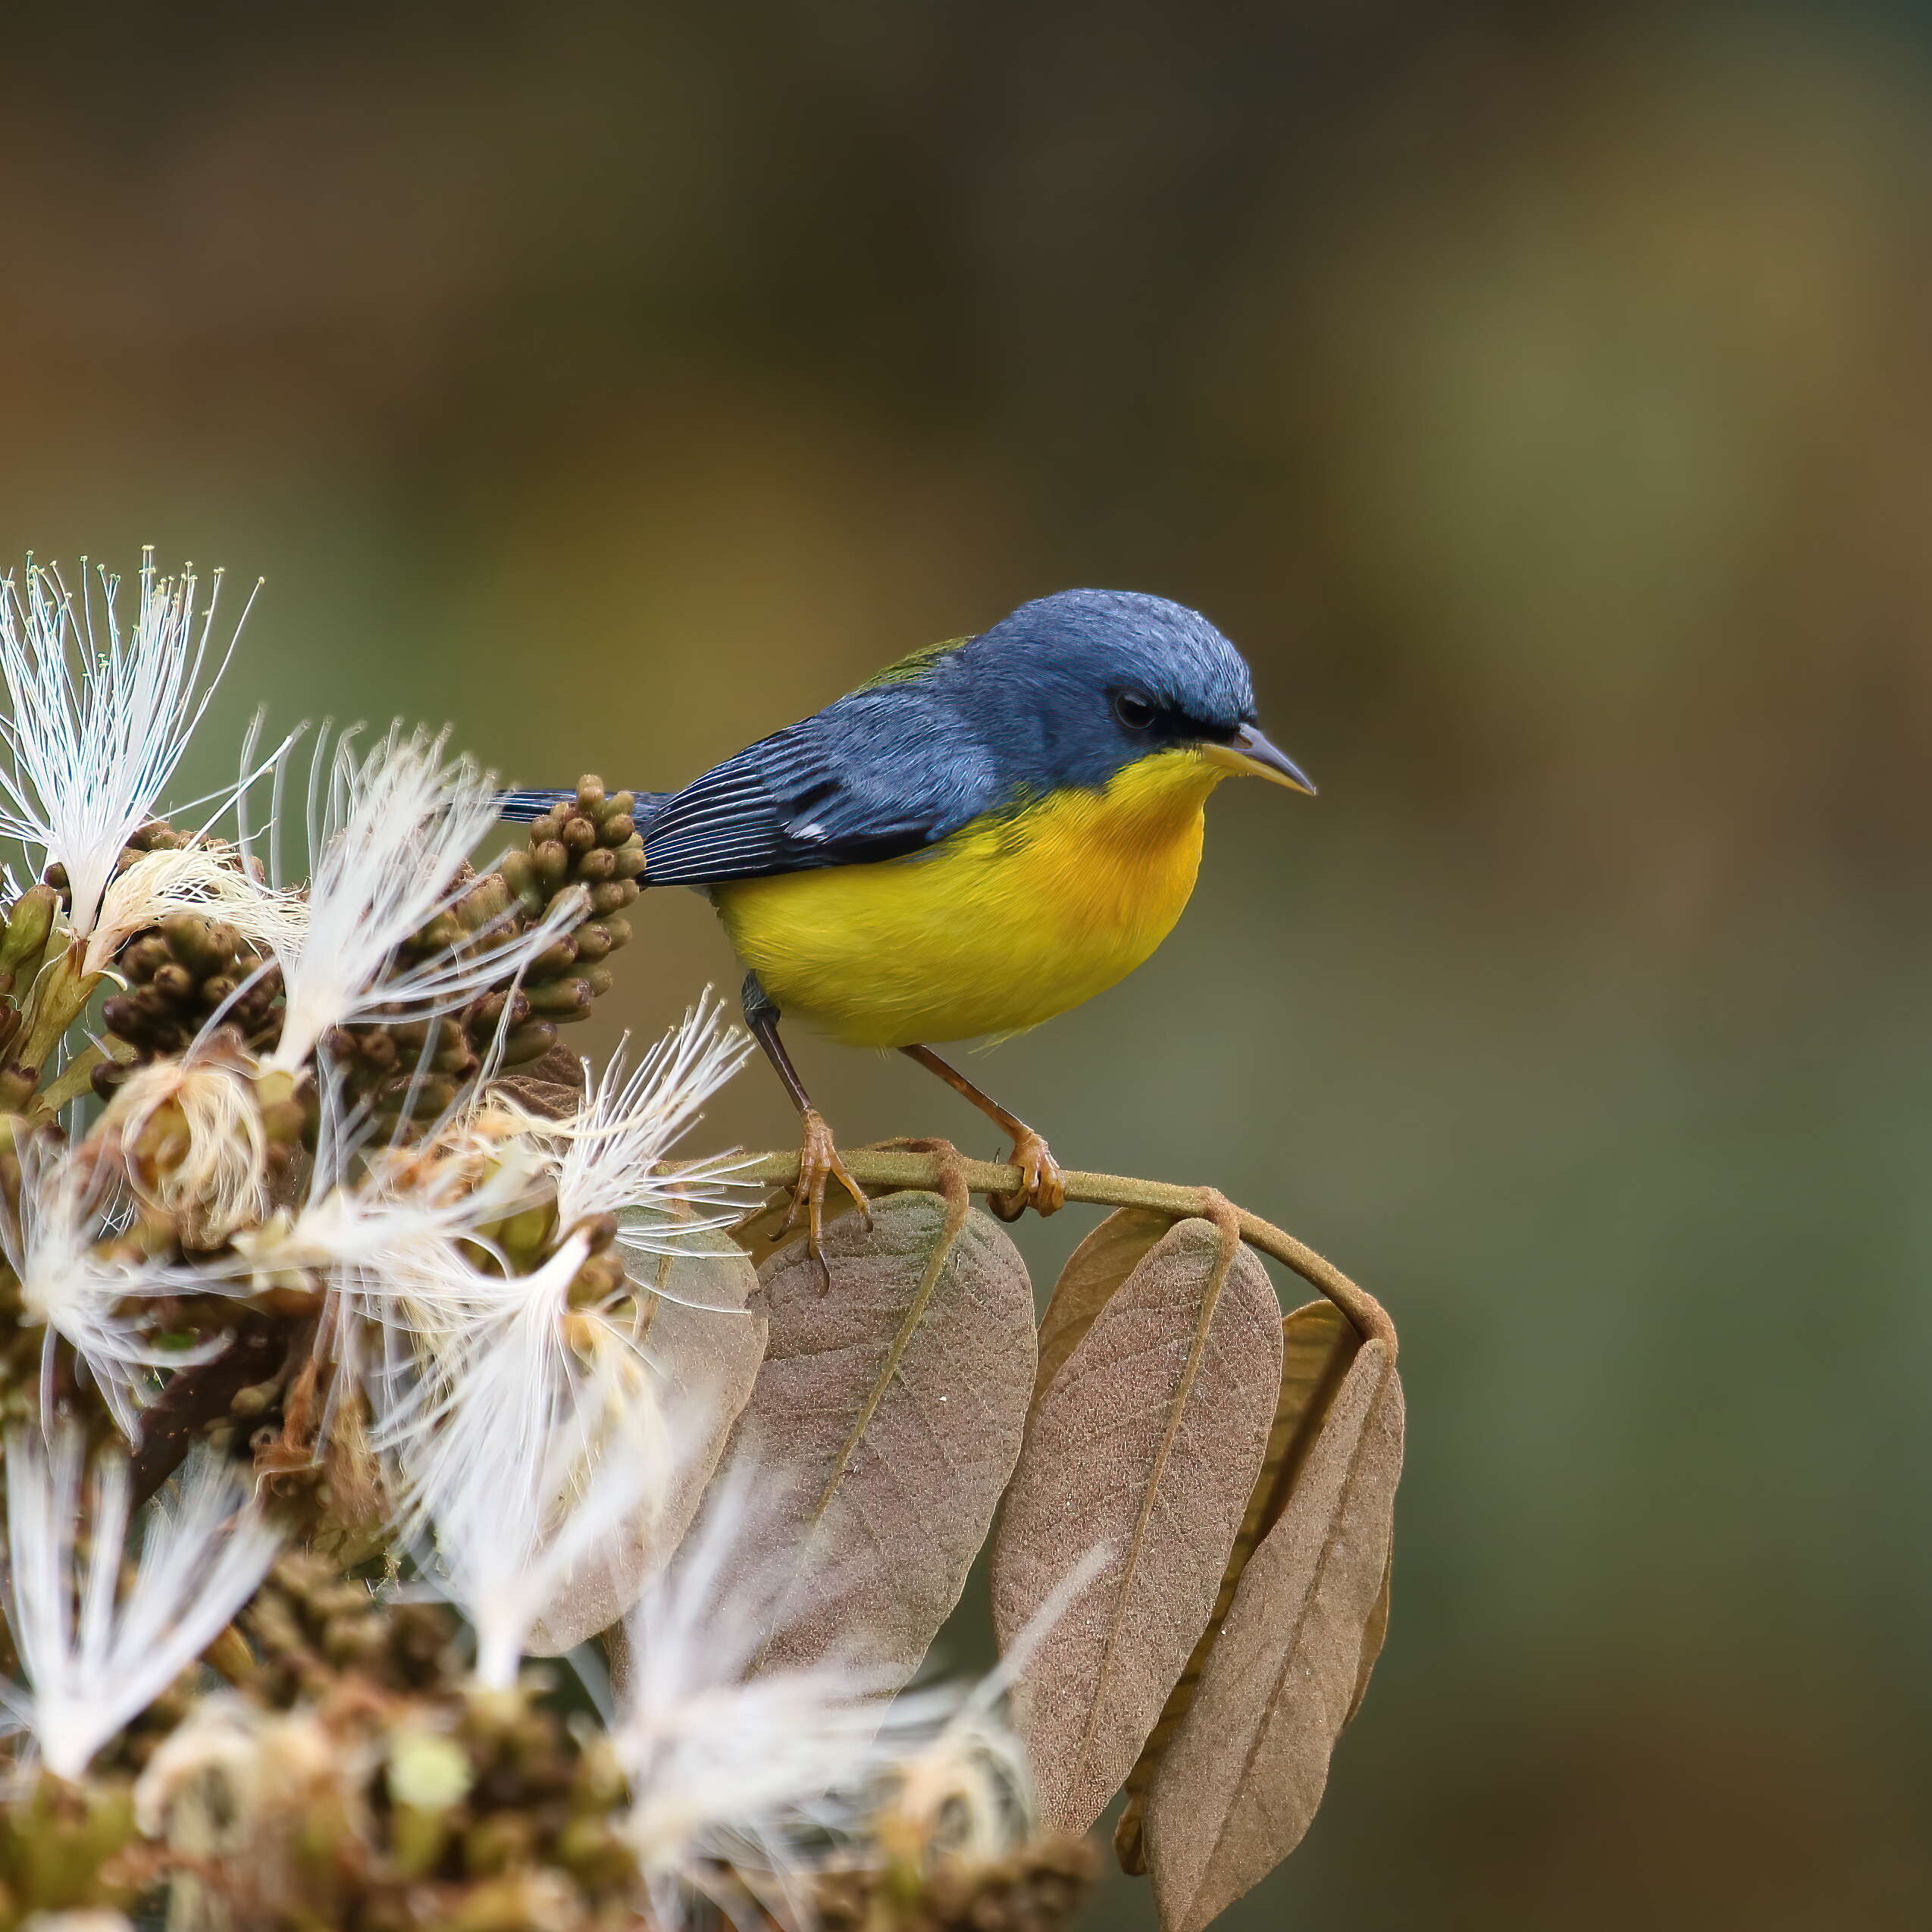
(1540, 393)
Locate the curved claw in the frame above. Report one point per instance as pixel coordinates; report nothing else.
(818, 1164)
(1043, 1180)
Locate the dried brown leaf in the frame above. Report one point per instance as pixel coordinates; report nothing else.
(1146, 1445)
(1093, 1270)
(552, 1086)
(894, 1400)
(1318, 1344)
(703, 1331)
(1373, 1639)
(1241, 1779)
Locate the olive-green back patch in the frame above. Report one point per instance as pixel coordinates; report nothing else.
(913, 665)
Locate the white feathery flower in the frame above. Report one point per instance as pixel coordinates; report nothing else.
(192, 878)
(396, 1248)
(483, 1354)
(396, 824)
(94, 1654)
(377, 1244)
(74, 1290)
(220, 1181)
(527, 1437)
(611, 1153)
(724, 1760)
(100, 715)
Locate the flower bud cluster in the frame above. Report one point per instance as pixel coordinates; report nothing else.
(181, 975)
(591, 842)
(391, 1810)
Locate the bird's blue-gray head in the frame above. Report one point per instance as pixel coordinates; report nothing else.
(1088, 681)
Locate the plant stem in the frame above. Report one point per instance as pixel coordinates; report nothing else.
(891, 1168)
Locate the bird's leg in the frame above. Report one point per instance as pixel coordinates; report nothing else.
(1043, 1186)
(817, 1153)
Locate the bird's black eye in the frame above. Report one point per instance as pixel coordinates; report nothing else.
(1136, 712)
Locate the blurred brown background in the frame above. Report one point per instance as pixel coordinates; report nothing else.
(1540, 393)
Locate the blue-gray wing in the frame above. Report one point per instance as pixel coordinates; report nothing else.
(881, 773)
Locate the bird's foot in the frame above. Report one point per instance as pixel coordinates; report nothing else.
(1043, 1182)
(818, 1164)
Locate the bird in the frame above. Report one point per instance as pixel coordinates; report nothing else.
(982, 835)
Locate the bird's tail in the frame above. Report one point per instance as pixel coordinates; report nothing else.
(528, 803)
(521, 807)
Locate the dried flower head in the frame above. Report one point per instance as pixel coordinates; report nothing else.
(194, 1144)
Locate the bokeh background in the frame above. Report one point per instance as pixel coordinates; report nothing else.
(1540, 393)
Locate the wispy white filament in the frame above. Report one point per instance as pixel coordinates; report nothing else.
(100, 714)
(94, 1654)
(526, 1434)
(724, 1761)
(395, 827)
(72, 1288)
(192, 878)
(610, 1154)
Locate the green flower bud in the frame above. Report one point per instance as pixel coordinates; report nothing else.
(555, 960)
(531, 1040)
(377, 1050)
(494, 1844)
(193, 942)
(486, 902)
(594, 1854)
(518, 873)
(442, 934)
(600, 1278)
(29, 925)
(561, 999)
(145, 957)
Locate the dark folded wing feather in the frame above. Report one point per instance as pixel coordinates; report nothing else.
(881, 773)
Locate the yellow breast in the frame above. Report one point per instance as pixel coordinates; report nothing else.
(1012, 919)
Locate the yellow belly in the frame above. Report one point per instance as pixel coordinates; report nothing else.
(1006, 923)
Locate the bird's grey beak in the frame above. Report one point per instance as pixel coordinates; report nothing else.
(1249, 754)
